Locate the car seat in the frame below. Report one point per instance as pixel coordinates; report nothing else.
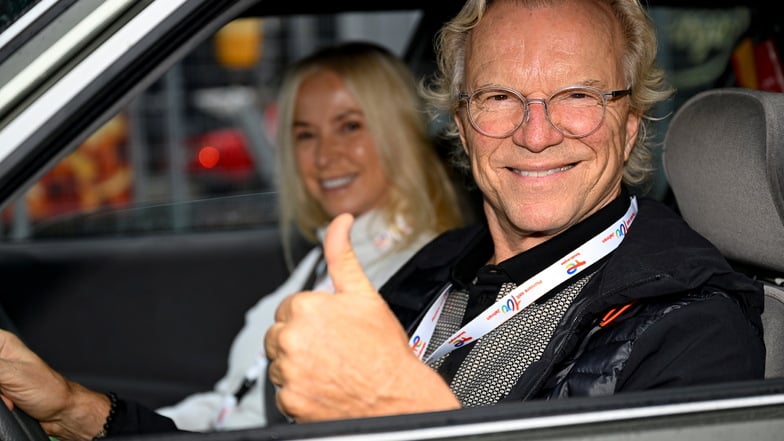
(724, 159)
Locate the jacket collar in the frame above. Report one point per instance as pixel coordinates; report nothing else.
(371, 234)
(523, 266)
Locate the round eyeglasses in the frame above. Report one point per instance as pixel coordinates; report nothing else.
(574, 111)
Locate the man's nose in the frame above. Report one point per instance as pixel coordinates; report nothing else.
(536, 133)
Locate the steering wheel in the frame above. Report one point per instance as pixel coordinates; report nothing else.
(15, 425)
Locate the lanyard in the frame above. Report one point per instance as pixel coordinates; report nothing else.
(317, 281)
(525, 294)
(250, 379)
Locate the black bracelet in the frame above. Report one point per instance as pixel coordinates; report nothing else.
(107, 424)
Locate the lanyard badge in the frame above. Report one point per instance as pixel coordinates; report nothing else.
(525, 294)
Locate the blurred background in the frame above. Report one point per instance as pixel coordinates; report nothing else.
(196, 150)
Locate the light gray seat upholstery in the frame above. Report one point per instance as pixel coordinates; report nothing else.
(724, 159)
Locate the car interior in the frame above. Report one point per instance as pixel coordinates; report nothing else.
(151, 314)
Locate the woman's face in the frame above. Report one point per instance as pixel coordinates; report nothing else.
(334, 150)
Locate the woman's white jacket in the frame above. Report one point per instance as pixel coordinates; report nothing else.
(373, 244)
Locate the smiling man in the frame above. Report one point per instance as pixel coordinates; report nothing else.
(574, 287)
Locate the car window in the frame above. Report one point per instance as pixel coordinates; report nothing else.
(195, 151)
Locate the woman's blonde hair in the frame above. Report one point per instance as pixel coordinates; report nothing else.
(420, 192)
(645, 78)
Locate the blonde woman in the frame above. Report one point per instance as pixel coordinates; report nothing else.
(353, 138)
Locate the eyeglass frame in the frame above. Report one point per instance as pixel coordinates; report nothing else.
(608, 96)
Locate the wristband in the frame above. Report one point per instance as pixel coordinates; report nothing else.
(107, 424)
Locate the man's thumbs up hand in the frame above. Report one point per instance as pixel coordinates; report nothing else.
(344, 268)
(345, 355)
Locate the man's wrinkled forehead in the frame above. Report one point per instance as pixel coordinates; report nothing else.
(536, 36)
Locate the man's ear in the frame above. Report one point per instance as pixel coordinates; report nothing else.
(633, 126)
(461, 131)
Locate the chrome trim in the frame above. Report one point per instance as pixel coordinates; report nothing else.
(24, 125)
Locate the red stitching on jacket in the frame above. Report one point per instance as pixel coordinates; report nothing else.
(614, 313)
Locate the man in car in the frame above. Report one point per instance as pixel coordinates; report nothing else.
(574, 287)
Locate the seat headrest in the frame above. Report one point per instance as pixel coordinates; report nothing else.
(724, 159)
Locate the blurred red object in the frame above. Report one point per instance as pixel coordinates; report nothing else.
(769, 69)
(221, 151)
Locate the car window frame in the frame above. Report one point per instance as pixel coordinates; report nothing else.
(683, 413)
(61, 115)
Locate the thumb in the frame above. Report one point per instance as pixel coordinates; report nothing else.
(344, 269)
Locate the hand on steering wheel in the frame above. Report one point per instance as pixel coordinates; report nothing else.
(15, 425)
